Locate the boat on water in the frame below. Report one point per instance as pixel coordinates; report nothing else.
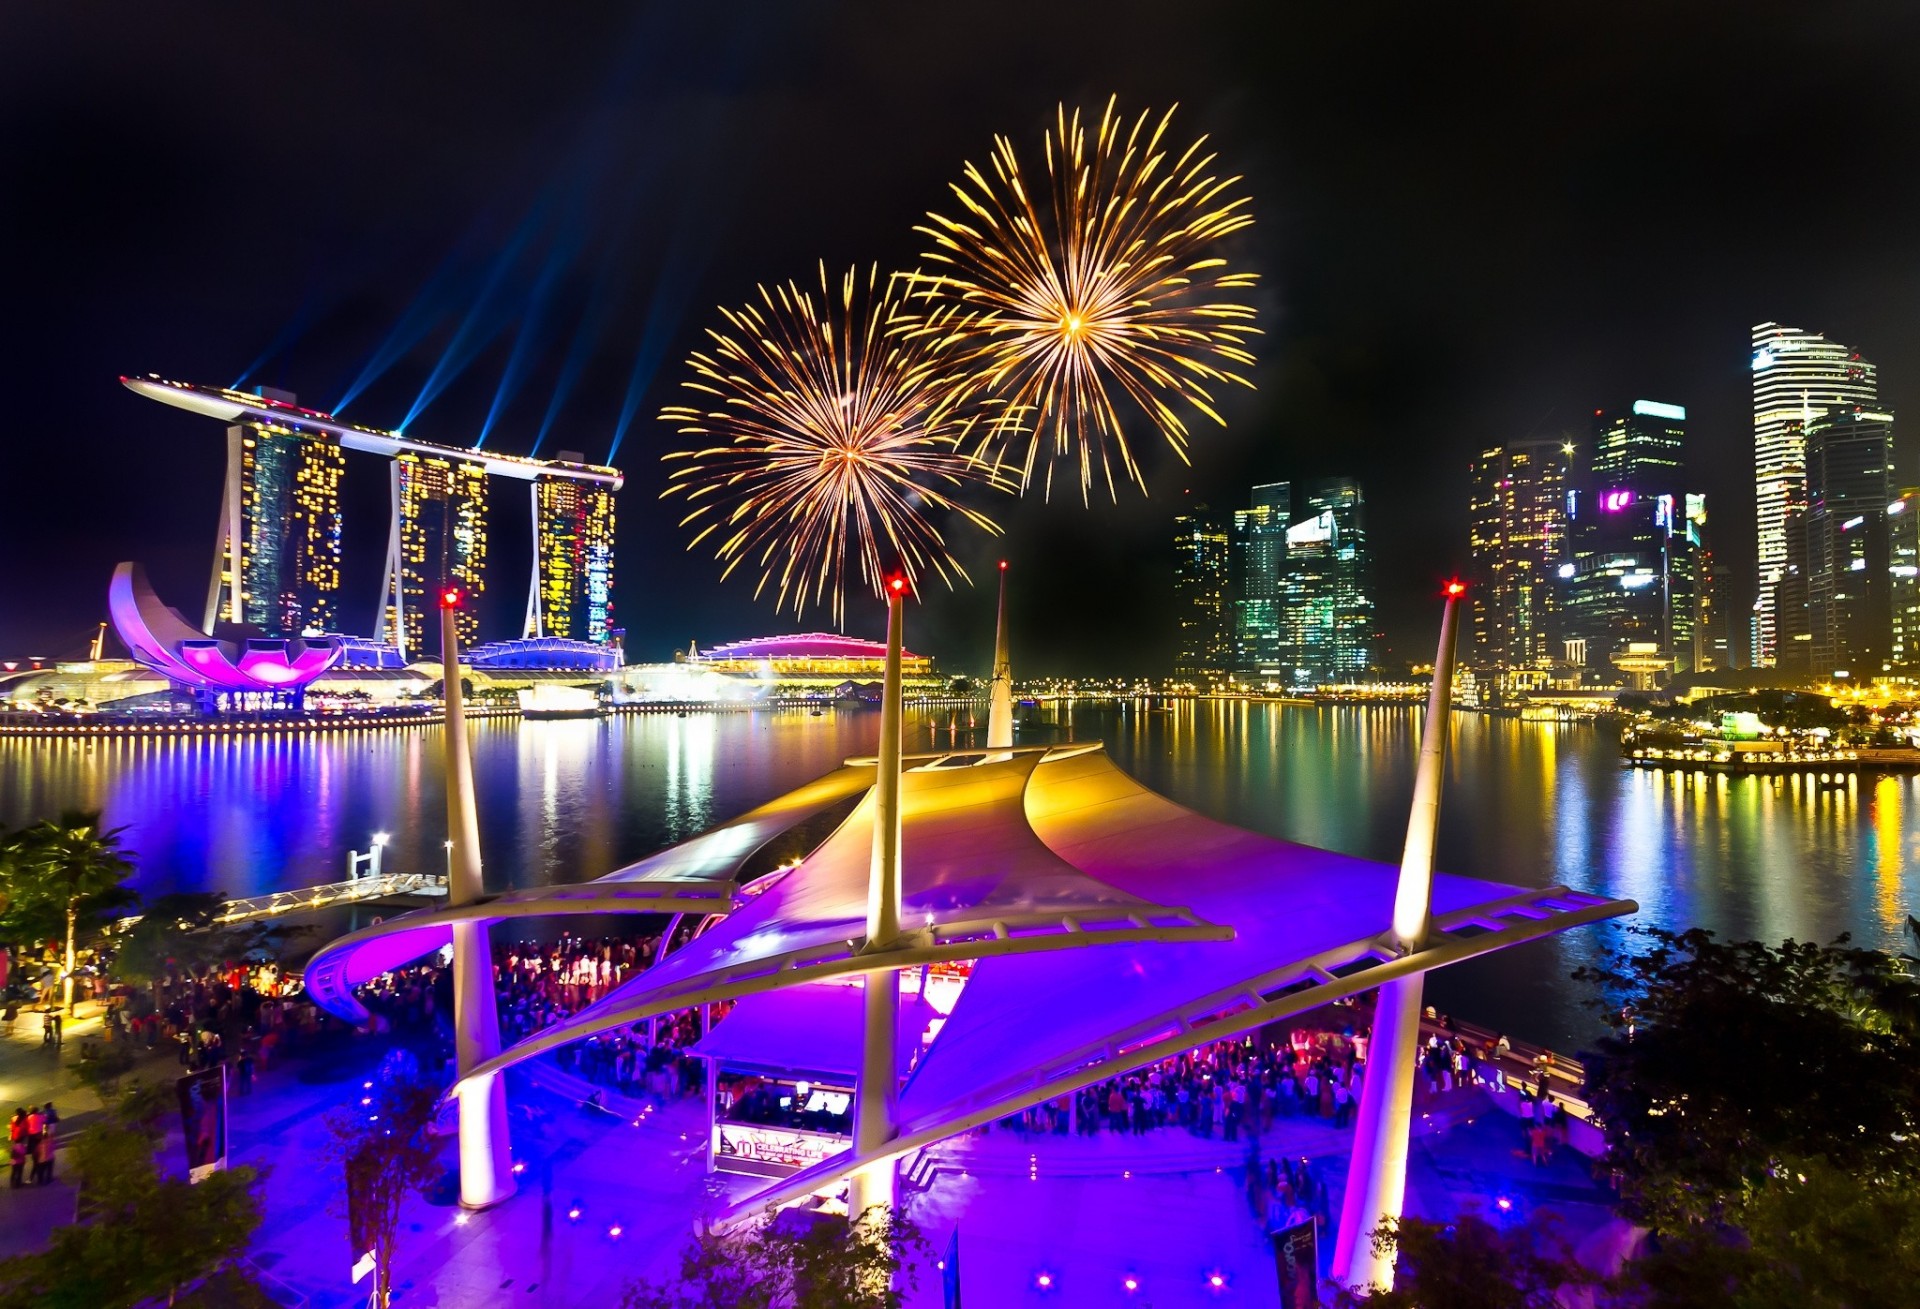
(549, 700)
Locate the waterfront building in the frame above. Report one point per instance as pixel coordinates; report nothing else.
(1849, 458)
(281, 527)
(1714, 610)
(1629, 576)
(1259, 557)
(1517, 535)
(573, 533)
(1903, 572)
(441, 524)
(277, 551)
(1303, 610)
(1797, 375)
(1328, 600)
(1202, 577)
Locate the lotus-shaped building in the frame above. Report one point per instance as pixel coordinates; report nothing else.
(276, 671)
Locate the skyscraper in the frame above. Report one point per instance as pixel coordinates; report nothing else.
(1259, 558)
(1903, 570)
(440, 538)
(1330, 571)
(1797, 375)
(1202, 575)
(573, 551)
(279, 532)
(1629, 575)
(1517, 535)
(1849, 485)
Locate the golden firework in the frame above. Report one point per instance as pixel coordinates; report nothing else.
(1112, 279)
(828, 433)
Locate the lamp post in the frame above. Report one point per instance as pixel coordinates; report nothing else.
(486, 1163)
(1377, 1175)
(877, 1101)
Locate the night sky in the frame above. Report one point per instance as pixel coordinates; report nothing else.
(1475, 223)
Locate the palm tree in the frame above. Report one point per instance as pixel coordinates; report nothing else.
(60, 864)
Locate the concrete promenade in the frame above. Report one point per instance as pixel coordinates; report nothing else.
(1167, 1209)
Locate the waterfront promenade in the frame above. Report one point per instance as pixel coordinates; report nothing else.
(1168, 1209)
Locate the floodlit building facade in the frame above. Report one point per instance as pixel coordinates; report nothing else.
(1629, 577)
(1517, 537)
(1202, 579)
(277, 560)
(1849, 488)
(1797, 376)
(573, 586)
(280, 532)
(1903, 574)
(1259, 558)
(443, 541)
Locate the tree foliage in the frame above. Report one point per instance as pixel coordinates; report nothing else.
(384, 1149)
(1726, 1059)
(177, 935)
(57, 865)
(145, 1236)
(1472, 1263)
(794, 1260)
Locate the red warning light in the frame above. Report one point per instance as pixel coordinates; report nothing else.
(897, 584)
(1003, 565)
(1456, 587)
(449, 597)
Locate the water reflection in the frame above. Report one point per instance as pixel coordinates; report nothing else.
(1529, 803)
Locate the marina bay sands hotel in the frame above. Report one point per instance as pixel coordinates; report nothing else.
(278, 545)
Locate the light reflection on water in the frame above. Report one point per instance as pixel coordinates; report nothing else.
(1529, 803)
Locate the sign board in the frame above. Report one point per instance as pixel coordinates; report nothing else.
(770, 1151)
(1296, 1256)
(363, 1268)
(203, 1120)
(950, 1272)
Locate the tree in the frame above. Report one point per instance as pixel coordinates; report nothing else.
(794, 1260)
(384, 1148)
(1811, 1237)
(145, 1237)
(177, 935)
(60, 869)
(1726, 1059)
(1471, 1263)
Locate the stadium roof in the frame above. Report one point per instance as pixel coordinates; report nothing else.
(1107, 925)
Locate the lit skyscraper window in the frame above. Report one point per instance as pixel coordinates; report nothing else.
(1202, 572)
(1518, 528)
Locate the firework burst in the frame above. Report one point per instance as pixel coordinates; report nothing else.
(1109, 282)
(828, 434)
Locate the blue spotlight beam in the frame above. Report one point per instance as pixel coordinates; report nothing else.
(478, 327)
(523, 346)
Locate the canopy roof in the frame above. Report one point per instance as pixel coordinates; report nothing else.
(1107, 926)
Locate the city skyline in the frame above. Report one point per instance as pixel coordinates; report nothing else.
(1433, 282)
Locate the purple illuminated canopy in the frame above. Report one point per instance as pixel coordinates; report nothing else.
(160, 639)
(802, 645)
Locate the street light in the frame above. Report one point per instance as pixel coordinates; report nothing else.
(449, 846)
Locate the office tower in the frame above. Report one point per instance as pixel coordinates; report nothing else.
(1259, 558)
(573, 558)
(1714, 612)
(1329, 576)
(1630, 573)
(1903, 572)
(1202, 573)
(1797, 376)
(1849, 485)
(1517, 535)
(440, 522)
(279, 532)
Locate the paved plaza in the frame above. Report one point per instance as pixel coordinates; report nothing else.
(1167, 1210)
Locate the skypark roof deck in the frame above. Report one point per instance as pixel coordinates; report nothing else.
(238, 406)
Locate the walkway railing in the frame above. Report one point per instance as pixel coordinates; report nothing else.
(360, 889)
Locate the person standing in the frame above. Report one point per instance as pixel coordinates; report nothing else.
(43, 1155)
(17, 1144)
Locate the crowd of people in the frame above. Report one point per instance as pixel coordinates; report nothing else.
(31, 1143)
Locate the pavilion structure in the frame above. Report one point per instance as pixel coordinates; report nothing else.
(1106, 927)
